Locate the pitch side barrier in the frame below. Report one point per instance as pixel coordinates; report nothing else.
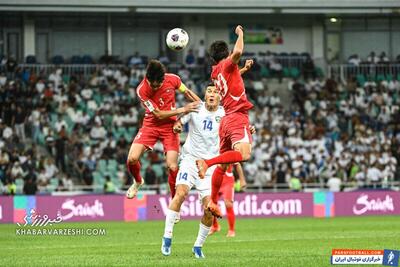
(81, 208)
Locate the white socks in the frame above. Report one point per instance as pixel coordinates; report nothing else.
(170, 222)
(201, 237)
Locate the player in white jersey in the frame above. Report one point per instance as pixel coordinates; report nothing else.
(202, 142)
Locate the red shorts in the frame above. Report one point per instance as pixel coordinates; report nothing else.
(227, 190)
(148, 136)
(234, 128)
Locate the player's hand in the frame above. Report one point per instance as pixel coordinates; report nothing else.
(243, 185)
(253, 129)
(249, 63)
(178, 127)
(191, 107)
(239, 30)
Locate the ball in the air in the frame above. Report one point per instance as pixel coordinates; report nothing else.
(177, 39)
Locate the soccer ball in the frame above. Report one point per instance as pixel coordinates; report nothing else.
(177, 39)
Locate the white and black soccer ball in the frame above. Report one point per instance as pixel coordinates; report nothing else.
(177, 39)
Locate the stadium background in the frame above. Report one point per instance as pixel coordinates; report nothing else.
(327, 114)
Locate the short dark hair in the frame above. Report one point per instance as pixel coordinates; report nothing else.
(155, 71)
(219, 50)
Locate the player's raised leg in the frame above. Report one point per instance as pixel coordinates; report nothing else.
(182, 191)
(230, 215)
(133, 165)
(204, 230)
(216, 181)
(215, 226)
(172, 164)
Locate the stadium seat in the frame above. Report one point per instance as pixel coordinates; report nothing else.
(87, 59)
(112, 165)
(361, 79)
(389, 77)
(97, 177)
(380, 77)
(76, 60)
(158, 169)
(58, 60)
(102, 166)
(294, 72)
(320, 72)
(285, 72)
(30, 59)
(264, 72)
(54, 183)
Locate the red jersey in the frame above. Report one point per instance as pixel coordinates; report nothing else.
(163, 98)
(229, 82)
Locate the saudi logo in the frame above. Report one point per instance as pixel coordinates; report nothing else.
(218, 119)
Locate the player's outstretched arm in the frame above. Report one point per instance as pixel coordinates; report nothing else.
(239, 45)
(163, 114)
(240, 173)
(189, 94)
(249, 63)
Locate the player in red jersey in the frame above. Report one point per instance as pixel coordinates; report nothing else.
(227, 192)
(234, 132)
(157, 94)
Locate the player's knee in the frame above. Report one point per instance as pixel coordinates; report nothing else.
(173, 167)
(180, 196)
(245, 155)
(131, 160)
(223, 166)
(207, 214)
(228, 204)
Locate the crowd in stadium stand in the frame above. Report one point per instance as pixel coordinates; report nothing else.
(58, 130)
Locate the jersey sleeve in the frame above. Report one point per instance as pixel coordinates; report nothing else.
(145, 98)
(176, 81)
(229, 65)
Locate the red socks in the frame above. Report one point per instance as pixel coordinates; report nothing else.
(230, 214)
(172, 182)
(134, 170)
(216, 182)
(215, 222)
(227, 157)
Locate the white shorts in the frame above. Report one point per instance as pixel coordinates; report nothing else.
(188, 175)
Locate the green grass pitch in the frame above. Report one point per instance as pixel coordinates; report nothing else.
(258, 242)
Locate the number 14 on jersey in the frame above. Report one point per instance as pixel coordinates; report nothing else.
(207, 125)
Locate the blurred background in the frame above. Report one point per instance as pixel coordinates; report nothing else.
(325, 86)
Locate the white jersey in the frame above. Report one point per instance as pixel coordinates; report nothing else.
(202, 141)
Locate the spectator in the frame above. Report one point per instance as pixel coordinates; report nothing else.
(372, 58)
(19, 123)
(383, 58)
(276, 69)
(30, 187)
(354, 60)
(190, 60)
(109, 187)
(135, 60)
(98, 132)
(309, 69)
(150, 176)
(334, 184)
(201, 53)
(295, 184)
